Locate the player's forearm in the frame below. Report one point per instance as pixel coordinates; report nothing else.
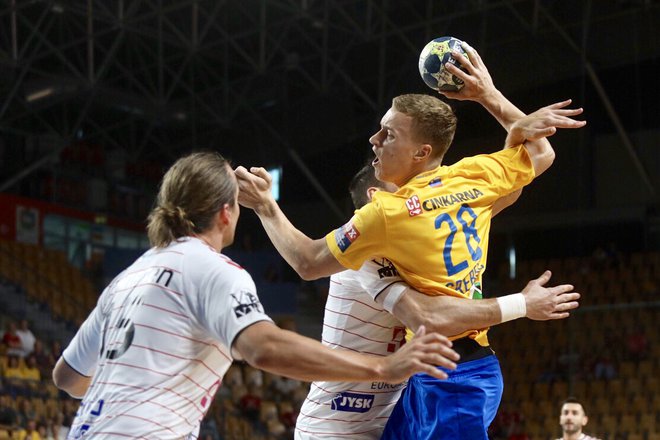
(503, 110)
(289, 354)
(447, 315)
(506, 113)
(300, 252)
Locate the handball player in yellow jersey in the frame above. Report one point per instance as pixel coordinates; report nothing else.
(435, 231)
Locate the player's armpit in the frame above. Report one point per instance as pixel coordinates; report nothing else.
(505, 201)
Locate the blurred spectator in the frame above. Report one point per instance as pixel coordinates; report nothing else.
(27, 337)
(55, 351)
(508, 424)
(8, 415)
(288, 416)
(253, 376)
(550, 373)
(573, 418)
(61, 425)
(637, 344)
(209, 429)
(29, 432)
(26, 413)
(604, 368)
(13, 376)
(42, 358)
(284, 387)
(250, 403)
(31, 374)
(12, 341)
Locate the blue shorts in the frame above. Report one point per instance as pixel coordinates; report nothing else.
(460, 407)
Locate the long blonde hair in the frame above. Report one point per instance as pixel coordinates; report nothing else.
(192, 192)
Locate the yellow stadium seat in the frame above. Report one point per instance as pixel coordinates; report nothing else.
(648, 422)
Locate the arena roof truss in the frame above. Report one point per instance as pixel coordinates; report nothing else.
(156, 78)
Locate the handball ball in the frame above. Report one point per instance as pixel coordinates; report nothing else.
(432, 62)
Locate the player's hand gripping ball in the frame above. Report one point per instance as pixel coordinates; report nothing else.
(435, 55)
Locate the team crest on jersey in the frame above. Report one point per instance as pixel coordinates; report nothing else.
(346, 235)
(352, 402)
(414, 206)
(245, 303)
(434, 183)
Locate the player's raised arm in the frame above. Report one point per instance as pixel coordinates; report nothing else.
(310, 258)
(479, 87)
(541, 124)
(452, 315)
(266, 346)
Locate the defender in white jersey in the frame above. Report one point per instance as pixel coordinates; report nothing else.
(573, 418)
(150, 357)
(360, 315)
(354, 321)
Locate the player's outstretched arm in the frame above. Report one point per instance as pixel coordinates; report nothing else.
(264, 345)
(452, 315)
(479, 87)
(542, 124)
(310, 258)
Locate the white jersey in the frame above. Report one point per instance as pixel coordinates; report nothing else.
(354, 321)
(159, 341)
(584, 436)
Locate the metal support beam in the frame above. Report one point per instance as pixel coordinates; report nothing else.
(607, 103)
(90, 41)
(14, 32)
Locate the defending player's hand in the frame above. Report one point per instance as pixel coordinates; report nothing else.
(477, 81)
(254, 187)
(544, 303)
(544, 123)
(422, 354)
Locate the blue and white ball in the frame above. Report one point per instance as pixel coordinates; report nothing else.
(435, 55)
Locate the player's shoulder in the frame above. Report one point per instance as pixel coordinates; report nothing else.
(201, 260)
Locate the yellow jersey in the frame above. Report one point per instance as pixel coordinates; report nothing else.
(435, 227)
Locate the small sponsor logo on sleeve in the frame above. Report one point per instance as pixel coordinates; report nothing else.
(352, 402)
(346, 235)
(386, 268)
(414, 206)
(245, 303)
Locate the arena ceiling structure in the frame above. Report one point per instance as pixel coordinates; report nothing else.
(267, 81)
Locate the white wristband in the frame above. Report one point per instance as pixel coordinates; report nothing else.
(512, 306)
(391, 295)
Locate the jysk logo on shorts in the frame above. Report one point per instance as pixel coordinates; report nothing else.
(352, 402)
(414, 206)
(346, 235)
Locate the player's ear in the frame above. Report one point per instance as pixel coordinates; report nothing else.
(586, 420)
(224, 216)
(371, 191)
(423, 152)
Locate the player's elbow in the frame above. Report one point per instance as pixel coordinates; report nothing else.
(544, 161)
(308, 272)
(67, 382)
(264, 354)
